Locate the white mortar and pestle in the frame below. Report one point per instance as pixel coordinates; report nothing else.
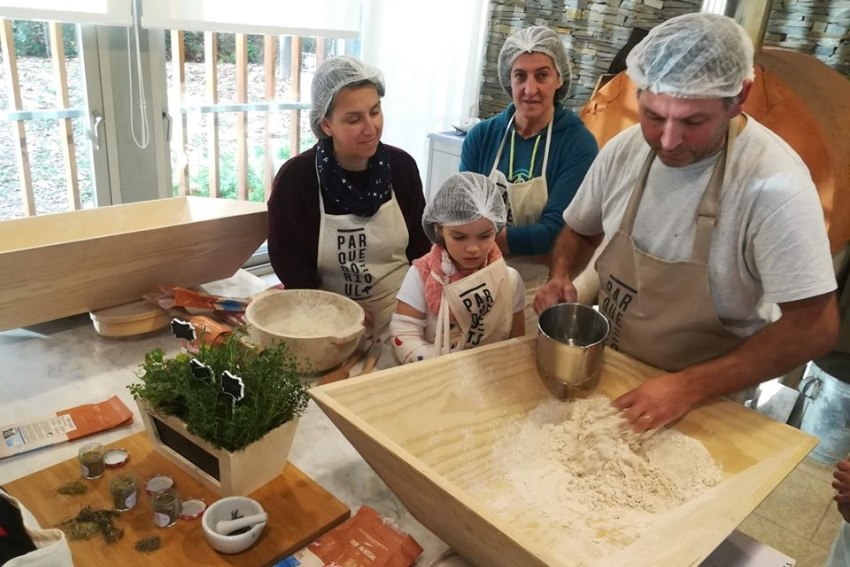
(233, 524)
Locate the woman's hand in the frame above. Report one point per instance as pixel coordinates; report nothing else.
(368, 319)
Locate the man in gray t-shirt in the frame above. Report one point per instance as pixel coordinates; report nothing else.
(707, 217)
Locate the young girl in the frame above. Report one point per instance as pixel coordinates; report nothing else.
(461, 294)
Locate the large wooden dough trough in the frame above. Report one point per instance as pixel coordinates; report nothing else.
(62, 264)
(427, 430)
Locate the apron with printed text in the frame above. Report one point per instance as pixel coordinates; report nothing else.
(365, 259)
(481, 304)
(525, 201)
(661, 311)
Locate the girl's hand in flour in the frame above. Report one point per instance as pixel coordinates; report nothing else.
(656, 402)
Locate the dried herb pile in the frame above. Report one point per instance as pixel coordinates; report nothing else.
(148, 544)
(89, 522)
(73, 488)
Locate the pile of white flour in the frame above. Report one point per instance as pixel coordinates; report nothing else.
(572, 475)
(317, 321)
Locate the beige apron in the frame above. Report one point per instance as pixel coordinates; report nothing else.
(526, 201)
(482, 306)
(364, 258)
(661, 311)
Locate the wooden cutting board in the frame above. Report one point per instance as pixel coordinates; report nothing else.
(299, 511)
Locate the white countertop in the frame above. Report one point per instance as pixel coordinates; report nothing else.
(65, 363)
(58, 365)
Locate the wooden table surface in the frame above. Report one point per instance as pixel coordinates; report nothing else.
(299, 511)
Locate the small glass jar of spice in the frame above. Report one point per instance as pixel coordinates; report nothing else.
(124, 492)
(166, 507)
(91, 460)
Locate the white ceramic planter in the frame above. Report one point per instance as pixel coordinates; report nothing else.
(226, 473)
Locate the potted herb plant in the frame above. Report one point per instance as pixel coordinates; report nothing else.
(226, 414)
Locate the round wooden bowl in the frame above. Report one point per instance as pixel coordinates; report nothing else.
(131, 319)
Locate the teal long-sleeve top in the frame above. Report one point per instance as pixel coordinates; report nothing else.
(571, 151)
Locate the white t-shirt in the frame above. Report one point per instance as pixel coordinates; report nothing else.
(412, 292)
(769, 244)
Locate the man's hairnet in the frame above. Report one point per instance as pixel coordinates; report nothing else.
(693, 56)
(536, 39)
(333, 75)
(463, 198)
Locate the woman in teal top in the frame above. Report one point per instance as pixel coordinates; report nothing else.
(536, 150)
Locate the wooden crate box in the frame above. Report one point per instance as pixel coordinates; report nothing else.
(224, 472)
(428, 428)
(63, 264)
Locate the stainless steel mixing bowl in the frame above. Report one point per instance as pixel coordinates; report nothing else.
(570, 347)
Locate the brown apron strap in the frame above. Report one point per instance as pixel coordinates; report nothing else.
(628, 220)
(710, 202)
(708, 206)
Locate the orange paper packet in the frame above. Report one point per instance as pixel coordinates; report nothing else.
(365, 540)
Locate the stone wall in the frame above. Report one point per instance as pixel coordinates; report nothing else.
(817, 27)
(595, 31)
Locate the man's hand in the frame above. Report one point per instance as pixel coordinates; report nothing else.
(656, 402)
(558, 290)
(842, 479)
(844, 510)
(842, 485)
(570, 256)
(806, 330)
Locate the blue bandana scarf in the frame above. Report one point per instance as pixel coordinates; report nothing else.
(337, 185)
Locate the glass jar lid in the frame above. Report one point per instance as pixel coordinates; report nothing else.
(158, 483)
(192, 508)
(115, 458)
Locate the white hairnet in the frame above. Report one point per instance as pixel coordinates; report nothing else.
(464, 197)
(693, 56)
(536, 39)
(333, 75)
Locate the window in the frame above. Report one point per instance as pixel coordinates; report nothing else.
(225, 101)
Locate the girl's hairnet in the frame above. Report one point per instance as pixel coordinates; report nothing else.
(693, 56)
(536, 39)
(464, 197)
(333, 75)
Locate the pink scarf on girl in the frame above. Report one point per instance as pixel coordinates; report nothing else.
(438, 262)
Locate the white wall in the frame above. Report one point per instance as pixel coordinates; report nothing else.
(431, 56)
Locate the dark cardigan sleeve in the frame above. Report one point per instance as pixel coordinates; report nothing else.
(411, 200)
(293, 238)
